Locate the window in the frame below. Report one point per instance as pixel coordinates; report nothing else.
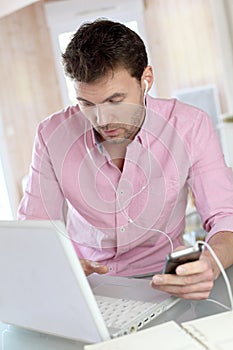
(5, 208)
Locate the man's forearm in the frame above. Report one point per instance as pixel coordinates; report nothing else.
(222, 244)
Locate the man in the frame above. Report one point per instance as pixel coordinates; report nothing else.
(123, 163)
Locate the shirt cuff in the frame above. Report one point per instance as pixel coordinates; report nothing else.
(223, 224)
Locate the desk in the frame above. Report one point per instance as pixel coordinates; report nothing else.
(14, 338)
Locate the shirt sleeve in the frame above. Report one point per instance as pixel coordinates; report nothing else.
(43, 198)
(210, 179)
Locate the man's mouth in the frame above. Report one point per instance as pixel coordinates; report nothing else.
(111, 132)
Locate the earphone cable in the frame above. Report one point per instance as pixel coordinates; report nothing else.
(228, 286)
(129, 219)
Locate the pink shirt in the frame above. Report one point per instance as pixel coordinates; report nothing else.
(117, 217)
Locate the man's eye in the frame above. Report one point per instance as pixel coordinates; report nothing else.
(115, 101)
(86, 104)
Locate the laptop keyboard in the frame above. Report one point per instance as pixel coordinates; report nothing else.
(118, 312)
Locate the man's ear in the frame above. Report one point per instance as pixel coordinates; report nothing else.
(147, 78)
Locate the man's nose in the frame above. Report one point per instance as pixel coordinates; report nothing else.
(101, 115)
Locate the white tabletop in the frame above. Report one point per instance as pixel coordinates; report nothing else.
(14, 338)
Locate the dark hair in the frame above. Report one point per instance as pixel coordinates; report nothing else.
(102, 46)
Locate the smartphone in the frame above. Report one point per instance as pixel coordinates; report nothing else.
(182, 256)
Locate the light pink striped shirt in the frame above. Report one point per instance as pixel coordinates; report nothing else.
(116, 217)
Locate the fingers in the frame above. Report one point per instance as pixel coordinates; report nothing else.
(90, 267)
(192, 291)
(99, 268)
(183, 281)
(195, 272)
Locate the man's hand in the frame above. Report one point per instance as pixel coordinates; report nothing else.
(92, 266)
(192, 280)
(196, 279)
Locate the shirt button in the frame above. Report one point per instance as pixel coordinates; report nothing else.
(122, 229)
(121, 192)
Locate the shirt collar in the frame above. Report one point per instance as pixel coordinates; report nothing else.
(143, 136)
(96, 140)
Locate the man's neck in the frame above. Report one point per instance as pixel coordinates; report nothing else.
(117, 152)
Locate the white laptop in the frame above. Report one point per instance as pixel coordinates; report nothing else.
(43, 288)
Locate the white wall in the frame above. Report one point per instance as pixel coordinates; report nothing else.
(223, 16)
(8, 198)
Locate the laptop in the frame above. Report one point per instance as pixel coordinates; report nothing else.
(44, 289)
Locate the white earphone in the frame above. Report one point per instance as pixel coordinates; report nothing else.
(147, 86)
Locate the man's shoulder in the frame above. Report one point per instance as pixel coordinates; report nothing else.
(66, 119)
(171, 107)
(185, 119)
(60, 116)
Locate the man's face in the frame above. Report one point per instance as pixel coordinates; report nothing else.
(113, 104)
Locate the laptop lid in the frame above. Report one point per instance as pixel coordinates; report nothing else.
(43, 286)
